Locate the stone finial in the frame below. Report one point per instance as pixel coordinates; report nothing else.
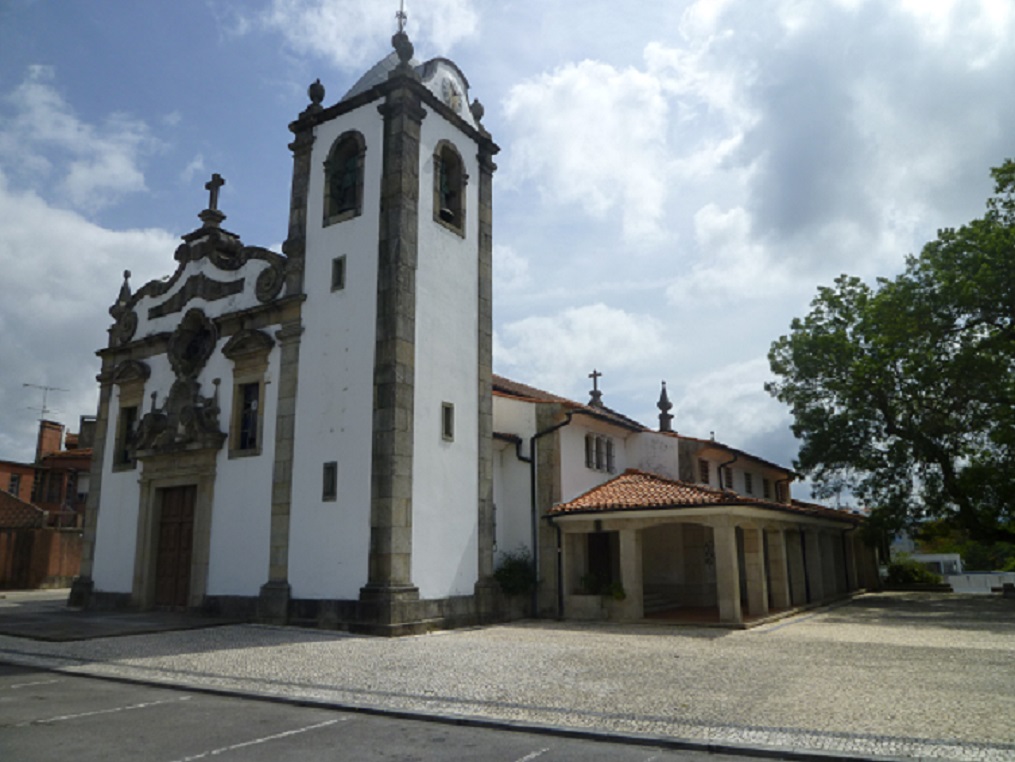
(125, 288)
(664, 405)
(403, 47)
(316, 94)
(477, 110)
(595, 396)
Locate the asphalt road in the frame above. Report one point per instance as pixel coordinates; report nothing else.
(51, 715)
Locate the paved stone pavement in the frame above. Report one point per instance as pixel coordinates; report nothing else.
(904, 675)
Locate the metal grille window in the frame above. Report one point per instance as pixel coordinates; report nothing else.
(250, 396)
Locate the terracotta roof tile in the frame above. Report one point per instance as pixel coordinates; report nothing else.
(637, 490)
(17, 514)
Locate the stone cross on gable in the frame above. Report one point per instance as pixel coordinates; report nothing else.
(212, 186)
(596, 395)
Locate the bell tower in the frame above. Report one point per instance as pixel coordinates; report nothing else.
(390, 522)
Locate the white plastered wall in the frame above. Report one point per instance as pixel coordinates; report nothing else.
(511, 494)
(329, 541)
(575, 477)
(445, 474)
(116, 532)
(656, 453)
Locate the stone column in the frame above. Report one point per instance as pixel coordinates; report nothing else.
(485, 585)
(389, 592)
(631, 575)
(273, 601)
(295, 246)
(849, 551)
(83, 585)
(778, 569)
(814, 565)
(754, 564)
(795, 562)
(727, 573)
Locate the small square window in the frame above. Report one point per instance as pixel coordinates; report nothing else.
(329, 489)
(590, 451)
(448, 421)
(338, 273)
(728, 478)
(766, 488)
(15, 486)
(610, 457)
(748, 484)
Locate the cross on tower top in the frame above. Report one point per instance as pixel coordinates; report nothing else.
(402, 18)
(212, 186)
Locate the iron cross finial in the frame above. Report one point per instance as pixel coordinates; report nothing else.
(595, 375)
(401, 16)
(212, 186)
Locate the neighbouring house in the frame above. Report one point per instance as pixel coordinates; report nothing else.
(40, 544)
(17, 479)
(317, 435)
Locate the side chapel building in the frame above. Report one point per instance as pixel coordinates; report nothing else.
(317, 435)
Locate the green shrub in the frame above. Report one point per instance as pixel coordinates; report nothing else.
(514, 573)
(906, 571)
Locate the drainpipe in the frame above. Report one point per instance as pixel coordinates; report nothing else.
(722, 467)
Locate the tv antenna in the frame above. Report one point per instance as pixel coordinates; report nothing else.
(45, 395)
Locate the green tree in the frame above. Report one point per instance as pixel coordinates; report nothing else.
(904, 392)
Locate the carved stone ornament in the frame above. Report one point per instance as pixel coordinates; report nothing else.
(130, 371)
(270, 281)
(187, 421)
(248, 342)
(191, 344)
(123, 329)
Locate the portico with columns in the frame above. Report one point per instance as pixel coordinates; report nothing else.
(688, 553)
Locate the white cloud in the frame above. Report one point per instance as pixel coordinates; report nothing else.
(510, 269)
(347, 32)
(731, 402)
(557, 351)
(61, 274)
(44, 145)
(595, 136)
(195, 166)
(732, 263)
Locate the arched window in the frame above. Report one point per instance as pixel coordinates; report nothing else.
(449, 187)
(343, 178)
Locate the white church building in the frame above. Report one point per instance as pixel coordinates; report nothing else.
(316, 436)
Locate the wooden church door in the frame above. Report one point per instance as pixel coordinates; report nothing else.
(175, 545)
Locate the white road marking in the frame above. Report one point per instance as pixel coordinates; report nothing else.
(29, 685)
(533, 755)
(64, 717)
(224, 749)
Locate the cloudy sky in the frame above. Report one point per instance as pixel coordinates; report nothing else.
(676, 178)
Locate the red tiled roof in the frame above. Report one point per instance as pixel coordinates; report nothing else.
(17, 514)
(508, 388)
(637, 490)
